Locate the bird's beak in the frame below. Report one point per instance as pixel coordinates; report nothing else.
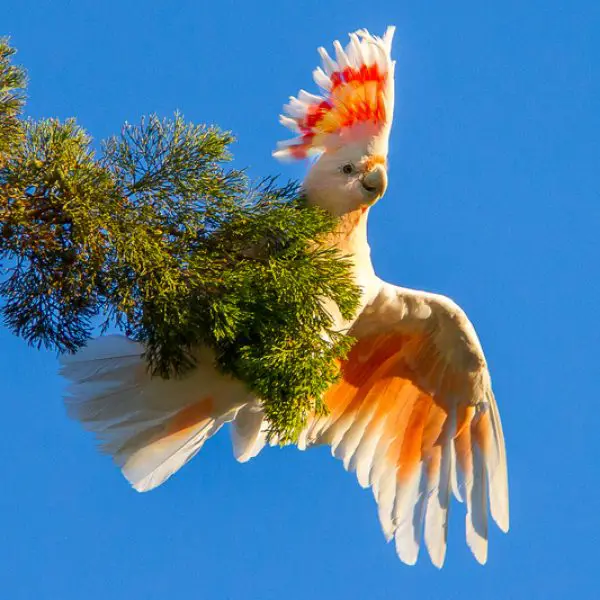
(375, 182)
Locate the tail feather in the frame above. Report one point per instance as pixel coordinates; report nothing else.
(150, 426)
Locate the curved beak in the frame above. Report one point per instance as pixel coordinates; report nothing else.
(375, 181)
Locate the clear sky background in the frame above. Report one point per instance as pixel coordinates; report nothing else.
(493, 200)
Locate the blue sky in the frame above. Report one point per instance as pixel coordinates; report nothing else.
(493, 199)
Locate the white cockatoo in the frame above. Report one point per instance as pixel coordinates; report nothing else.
(413, 414)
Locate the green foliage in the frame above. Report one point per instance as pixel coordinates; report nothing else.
(282, 339)
(56, 206)
(158, 238)
(12, 84)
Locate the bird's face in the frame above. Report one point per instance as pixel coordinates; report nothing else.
(347, 179)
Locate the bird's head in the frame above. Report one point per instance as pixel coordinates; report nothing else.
(348, 127)
(346, 180)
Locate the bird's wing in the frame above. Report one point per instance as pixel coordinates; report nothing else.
(414, 415)
(149, 425)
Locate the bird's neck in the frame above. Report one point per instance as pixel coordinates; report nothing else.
(350, 238)
(350, 235)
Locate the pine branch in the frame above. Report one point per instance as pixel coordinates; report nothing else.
(159, 237)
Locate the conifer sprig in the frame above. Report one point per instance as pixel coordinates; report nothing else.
(161, 238)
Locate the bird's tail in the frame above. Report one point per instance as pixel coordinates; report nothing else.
(151, 426)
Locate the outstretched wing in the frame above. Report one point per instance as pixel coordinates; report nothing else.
(414, 415)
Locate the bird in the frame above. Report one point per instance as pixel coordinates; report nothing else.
(413, 413)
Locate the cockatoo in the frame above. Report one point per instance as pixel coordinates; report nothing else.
(413, 414)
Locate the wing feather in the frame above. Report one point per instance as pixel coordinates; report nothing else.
(408, 515)
(436, 524)
(414, 415)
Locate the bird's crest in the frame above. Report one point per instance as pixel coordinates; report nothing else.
(357, 104)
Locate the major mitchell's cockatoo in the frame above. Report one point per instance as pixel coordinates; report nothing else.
(413, 413)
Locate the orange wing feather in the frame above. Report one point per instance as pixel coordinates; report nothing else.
(384, 422)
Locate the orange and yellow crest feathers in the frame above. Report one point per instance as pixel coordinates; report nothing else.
(357, 104)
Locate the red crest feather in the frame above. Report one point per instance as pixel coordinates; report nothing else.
(358, 100)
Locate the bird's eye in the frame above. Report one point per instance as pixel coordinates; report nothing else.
(348, 169)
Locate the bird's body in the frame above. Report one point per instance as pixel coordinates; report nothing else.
(413, 413)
